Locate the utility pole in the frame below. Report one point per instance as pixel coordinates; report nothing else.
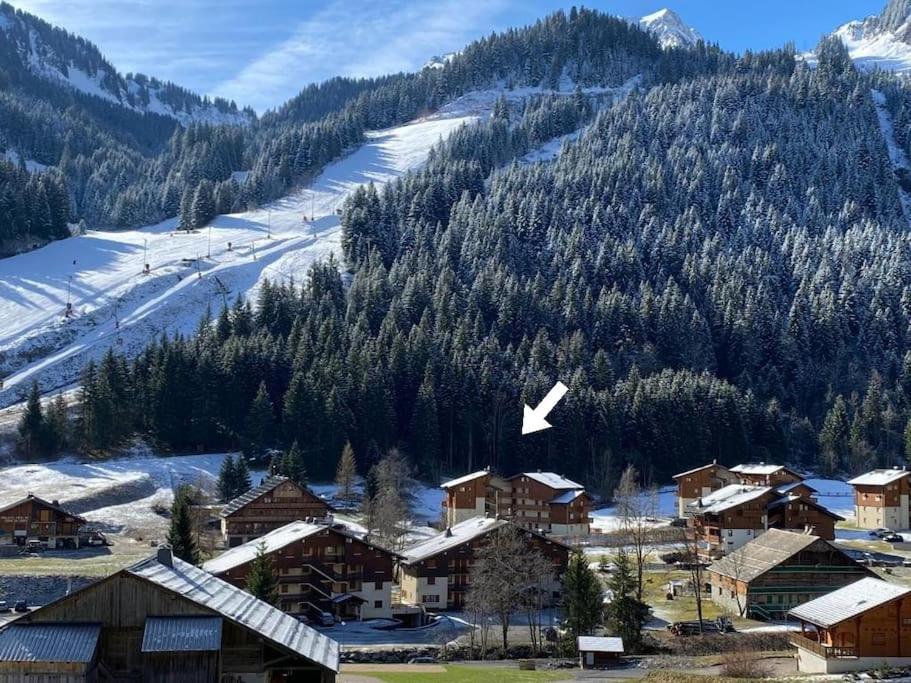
(270, 225)
(209, 249)
(145, 254)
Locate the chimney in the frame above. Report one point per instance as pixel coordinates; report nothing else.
(55, 503)
(164, 556)
(448, 532)
(714, 461)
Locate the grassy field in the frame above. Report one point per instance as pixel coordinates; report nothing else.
(458, 674)
(82, 562)
(681, 608)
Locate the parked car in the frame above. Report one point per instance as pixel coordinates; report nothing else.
(880, 532)
(894, 538)
(325, 619)
(33, 545)
(21, 606)
(4, 607)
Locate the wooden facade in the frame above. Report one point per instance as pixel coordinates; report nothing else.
(474, 495)
(123, 602)
(33, 518)
(267, 507)
(765, 475)
(882, 499)
(866, 638)
(699, 482)
(329, 570)
(441, 581)
(778, 571)
(534, 504)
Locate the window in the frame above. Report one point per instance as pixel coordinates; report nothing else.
(431, 580)
(378, 585)
(377, 604)
(878, 638)
(431, 564)
(430, 598)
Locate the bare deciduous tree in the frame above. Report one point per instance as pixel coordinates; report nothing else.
(637, 508)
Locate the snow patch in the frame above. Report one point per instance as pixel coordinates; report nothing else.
(897, 156)
(670, 30)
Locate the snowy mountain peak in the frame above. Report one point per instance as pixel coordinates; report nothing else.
(670, 30)
(882, 41)
(35, 48)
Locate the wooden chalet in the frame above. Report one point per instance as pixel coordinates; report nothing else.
(163, 620)
(547, 502)
(599, 652)
(865, 625)
(436, 573)
(761, 474)
(321, 568)
(33, 518)
(700, 482)
(275, 502)
(881, 499)
(778, 571)
(472, 495)
(736, 514)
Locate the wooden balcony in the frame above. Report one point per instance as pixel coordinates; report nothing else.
(820, 649)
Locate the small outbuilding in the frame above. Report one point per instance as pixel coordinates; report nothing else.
(599, 652)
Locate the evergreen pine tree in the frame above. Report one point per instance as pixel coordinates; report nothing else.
(261, 581)
(180, 535)
(227, 480)
(582, 597)
(625, 614)
(293, 465)
(260, 423)
(242, 481)
(32, 427)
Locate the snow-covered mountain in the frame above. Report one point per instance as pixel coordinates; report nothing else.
(31, 45)
(882, 41)
(439, 61)
(670, 30)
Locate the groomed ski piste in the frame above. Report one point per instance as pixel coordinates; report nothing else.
(115, 304)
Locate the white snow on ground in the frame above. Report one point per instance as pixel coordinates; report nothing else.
(607, 519)
(551, 149)
(101, 272)
(896, 154)
(835, 495)
(31, 165)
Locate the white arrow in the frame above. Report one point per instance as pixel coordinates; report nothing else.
(533, 419)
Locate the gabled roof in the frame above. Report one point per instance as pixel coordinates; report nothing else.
(239, 607)
(879, 477)
(763, 553)
(277, 539)
(787, 488)
(465, 479)
(49, 642)
(551, 479)
(268, 484)
(699, 469)
(568, 497)
(805, 501)
(599, 644)
(728, 497)
(854, 599)
(454, 536)
(762, 469)
(46, 503)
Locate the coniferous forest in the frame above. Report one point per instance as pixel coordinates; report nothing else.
(717, 268)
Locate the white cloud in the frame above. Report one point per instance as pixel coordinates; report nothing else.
(359, 39)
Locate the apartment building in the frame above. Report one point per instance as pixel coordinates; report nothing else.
(700, 482)
(436, 573)
(275, 502)
(762, 474)
(473, 495)
(547, 502)
(321, 567)
(881, 499)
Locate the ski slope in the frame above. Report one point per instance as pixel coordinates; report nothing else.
(115, 304)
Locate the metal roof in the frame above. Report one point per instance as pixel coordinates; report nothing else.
(568, 497)
(699, 469)
(464, 479)
(599, 644)
(278, 539)
(49, 642)
(786, 488)
(240, 607)
(454, 536)
(878, 477)
(551, 479)
(763, 553)
(182, 634)
(805, 501)
(850, 601)
(267, 485)
(728, 497)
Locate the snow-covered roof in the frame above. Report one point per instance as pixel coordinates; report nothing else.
(568, 497)
(454, 536)
(850, 601)
(699, 469)
(551, 479)
(763, 553)
(786, 488)
(274, 540)
(599, 644)
(238, 606)
(728, 497)
(878, 477)
(761, 469)
(464, 479)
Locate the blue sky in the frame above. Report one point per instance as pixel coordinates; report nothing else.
(261, 53)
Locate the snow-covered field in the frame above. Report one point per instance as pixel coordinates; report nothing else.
(100, 273)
